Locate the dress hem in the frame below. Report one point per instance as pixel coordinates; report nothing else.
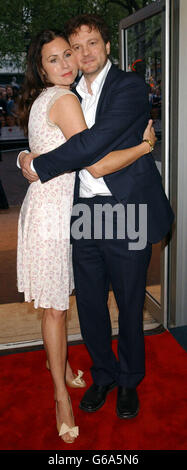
(38, 305)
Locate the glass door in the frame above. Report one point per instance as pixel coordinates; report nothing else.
(143, 40)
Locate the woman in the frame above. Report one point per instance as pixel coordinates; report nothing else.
(53, 114)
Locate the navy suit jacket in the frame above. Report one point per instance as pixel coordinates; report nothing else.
(121, 117)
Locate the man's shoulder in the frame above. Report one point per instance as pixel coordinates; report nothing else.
(118, 76)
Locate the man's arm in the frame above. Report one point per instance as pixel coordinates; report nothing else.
(126, 104)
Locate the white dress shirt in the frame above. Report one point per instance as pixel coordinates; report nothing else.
(89, 186)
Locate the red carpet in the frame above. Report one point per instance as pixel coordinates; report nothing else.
(27, 415)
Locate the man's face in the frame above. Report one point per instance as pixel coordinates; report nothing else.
(90, 50)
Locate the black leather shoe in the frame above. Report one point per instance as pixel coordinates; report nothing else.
(127, 403)
(95, 397)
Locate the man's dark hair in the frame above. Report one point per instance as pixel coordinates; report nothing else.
(92, 21)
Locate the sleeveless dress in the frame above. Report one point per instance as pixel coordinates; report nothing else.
(44, 256)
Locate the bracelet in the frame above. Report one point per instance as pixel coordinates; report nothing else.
(150, 143)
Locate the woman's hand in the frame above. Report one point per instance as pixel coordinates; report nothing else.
(149, 133)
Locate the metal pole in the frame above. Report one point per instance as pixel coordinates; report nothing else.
(167, 146)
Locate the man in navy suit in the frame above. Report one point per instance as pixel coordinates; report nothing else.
(116, 109)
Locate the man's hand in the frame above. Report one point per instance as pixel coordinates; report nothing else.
(25, 160)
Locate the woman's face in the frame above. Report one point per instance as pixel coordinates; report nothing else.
(59, 63)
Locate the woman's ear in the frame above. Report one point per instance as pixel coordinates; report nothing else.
(43, 76)
(108, 48)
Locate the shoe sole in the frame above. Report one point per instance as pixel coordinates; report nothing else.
(129, 416)
(100, 404)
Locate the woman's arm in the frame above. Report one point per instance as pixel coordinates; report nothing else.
(119, 159)
(67, 113)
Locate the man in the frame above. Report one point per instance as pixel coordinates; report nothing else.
(117, 102)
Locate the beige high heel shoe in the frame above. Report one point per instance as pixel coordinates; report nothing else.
(77, 382)
(64, 430)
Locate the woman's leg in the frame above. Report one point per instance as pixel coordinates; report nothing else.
(55, 343)
(72, 380)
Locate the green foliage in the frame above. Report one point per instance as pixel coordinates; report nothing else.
(20, 20)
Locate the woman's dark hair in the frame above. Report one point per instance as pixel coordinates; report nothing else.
(92, 21)
(35, 80)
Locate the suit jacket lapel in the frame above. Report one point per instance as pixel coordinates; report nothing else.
(76, 93)
(110, 76)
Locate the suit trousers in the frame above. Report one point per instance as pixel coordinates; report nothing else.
(100, 261)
